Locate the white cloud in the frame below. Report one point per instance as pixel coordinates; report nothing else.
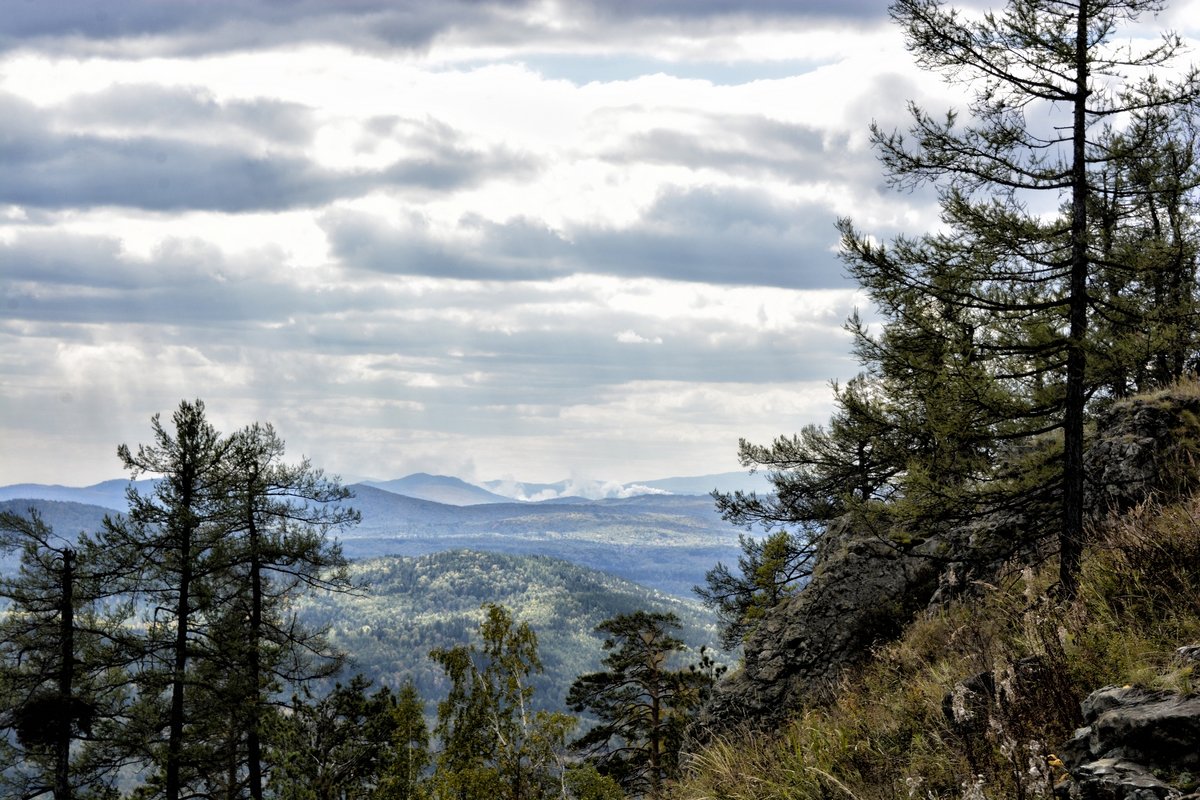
(632, 337)
(536, 239)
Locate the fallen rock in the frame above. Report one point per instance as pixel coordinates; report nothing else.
(1116, 779)
(1136, 744)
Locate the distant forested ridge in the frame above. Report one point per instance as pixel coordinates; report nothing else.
(666, 542)
(412, 605)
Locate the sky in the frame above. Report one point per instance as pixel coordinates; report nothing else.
(488, 238)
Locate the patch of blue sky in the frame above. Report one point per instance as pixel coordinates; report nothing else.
(584, 69)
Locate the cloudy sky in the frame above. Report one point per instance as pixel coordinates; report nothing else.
(492, 238)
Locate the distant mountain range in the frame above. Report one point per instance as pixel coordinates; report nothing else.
(109, 494)
(664, 541)
(444, 489)
(440, 489)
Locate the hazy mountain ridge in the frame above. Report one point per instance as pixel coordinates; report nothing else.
(667, 542)
(663, 541)
(440, 489)
(445, 489)
(107, 494)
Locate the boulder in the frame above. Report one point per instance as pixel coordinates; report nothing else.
(1115, 779)
(1135, 743)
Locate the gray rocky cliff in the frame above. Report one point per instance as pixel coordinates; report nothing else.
(1143, 447)
(860, 594)
(864, 590)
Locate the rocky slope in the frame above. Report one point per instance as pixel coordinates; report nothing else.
(863, 591)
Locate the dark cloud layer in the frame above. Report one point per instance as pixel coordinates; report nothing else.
(189, 293)
(722, 236)
(750, 145)
(222, 25)
(218, 25)
(703, 9)
(134, 106)
(46, 168)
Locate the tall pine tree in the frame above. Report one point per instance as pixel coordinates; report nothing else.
(1021, 281)
(988, 352)
(165, 545)
(63, 686)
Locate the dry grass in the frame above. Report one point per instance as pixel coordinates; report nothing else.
(887, 735)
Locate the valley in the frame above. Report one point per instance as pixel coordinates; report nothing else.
(425, 568)
(663, 541)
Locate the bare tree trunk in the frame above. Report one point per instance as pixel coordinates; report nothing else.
(66, 677)
(1071, 536)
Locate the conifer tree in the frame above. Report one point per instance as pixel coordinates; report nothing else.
(642, 702)
(62, 682)
(404, 775)
(337, 747)
(278, 519)
(1021, 282)
(216, 553)
(165, 547)
(817, 476)
(1144, 222)
(823, 471)
(771, 569)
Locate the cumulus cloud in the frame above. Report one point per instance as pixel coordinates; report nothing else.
(633, 337)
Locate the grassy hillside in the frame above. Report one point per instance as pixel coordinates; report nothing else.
(890, 733)
(413, 605)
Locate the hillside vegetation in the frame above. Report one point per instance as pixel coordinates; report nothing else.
(902, 724)
(411, 606)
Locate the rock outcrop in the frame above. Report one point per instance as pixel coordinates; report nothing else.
(864, 589)
(1143, 447)
(1136, 745)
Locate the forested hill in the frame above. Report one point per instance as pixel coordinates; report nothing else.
(666, 542)
(413, 605)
